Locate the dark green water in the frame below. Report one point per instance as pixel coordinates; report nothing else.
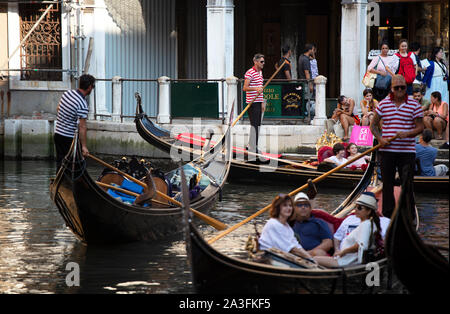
(36, 246)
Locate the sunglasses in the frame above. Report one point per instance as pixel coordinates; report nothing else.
(302, 205)
(262, 62)
(400, 87)
(359, 207)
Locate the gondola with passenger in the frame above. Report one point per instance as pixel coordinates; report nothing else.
(118, 207)
(215, 272)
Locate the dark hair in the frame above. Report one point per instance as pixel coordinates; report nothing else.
(285, 49)
(349, 146)
(276, 204)
(384, 43)
(434, 52)
(258, 56)
(367, 91)
(437, 95)
(308, 47)
(337, 148)
(85, 81)
(427, 135)
(417, 90)
(403, 40)
(341, 99)
(414, 46)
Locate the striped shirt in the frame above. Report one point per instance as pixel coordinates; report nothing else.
(72, 106)
(399, 119)
(256, 80)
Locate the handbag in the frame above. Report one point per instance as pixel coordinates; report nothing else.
(383, 82)
(369, 79)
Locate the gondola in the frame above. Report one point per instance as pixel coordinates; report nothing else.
(250, 171)
(97, 217)
(420, 267)
(215, 272)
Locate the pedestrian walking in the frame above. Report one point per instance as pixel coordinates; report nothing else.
(402, 116)
(253, 86)
(405, 64)
(72, 113)
(436, 75)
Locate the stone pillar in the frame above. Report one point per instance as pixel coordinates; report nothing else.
(232, 99)
(321, 102)
(220, 41)
(353, 48)
(164, 100)
(116, 99)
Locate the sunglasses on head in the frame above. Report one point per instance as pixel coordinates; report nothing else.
(400, 87)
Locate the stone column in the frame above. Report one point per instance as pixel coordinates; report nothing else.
(232, 99)
(164, 100)
(321, 102)
(116, 99)
(353, 48)
(220, 41)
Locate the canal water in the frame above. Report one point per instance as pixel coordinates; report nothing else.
(37, 249)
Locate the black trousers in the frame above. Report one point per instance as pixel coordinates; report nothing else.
(254, 114)
(389, 163)
(62, 145)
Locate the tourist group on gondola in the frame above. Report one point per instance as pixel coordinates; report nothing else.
(300, 249)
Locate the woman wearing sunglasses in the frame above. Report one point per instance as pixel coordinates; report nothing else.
(277, 233)
(359, 239)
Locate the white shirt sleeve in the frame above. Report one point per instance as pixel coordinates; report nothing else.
(276, 235)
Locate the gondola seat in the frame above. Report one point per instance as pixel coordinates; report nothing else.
(332, 222)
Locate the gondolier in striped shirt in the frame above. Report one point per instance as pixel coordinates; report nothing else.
(253, 85)
(72, 112)
(401, 116)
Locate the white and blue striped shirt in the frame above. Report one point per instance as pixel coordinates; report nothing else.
(72, 106)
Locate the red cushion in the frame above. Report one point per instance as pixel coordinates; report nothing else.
(324, 152)
(334, 221)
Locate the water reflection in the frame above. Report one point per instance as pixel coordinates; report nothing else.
(36, 246)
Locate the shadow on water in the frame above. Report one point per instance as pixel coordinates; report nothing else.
(36, 246)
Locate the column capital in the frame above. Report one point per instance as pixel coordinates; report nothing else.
(232, 80)
(163, 80)
(220, 4)
(320, 80)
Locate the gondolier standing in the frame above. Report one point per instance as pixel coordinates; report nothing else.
(72, 112)
(253, 85)
(401, 116)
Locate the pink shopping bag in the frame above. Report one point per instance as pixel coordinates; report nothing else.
(361, 136)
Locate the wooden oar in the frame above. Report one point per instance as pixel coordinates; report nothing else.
(290, 162)
(323, 176)
(253, 100)
(109, 186)
(209, 220)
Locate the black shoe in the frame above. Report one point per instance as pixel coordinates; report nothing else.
(444, 146)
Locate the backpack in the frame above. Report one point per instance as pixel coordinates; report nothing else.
(406, 68)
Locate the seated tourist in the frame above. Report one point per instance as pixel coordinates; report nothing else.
(339, 155)
(277, 233)
(315, 236)
(436, 117)
(426, 155)
(418, 96)
(359, 238)
(352, 151)
(368, 106)
(349, 224)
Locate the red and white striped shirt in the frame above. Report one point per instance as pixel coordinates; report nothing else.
(399, 119)
(256, 80)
